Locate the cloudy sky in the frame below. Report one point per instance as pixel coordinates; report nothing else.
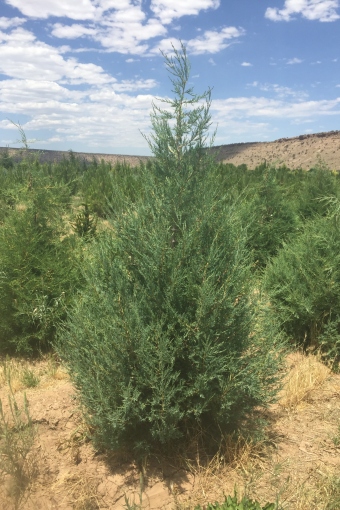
(82, 74)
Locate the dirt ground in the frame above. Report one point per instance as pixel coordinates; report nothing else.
(297, 465)
(304, 151)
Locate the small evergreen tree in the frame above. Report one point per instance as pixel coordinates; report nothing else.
(303, 284)
(37, 271)
(162, 339)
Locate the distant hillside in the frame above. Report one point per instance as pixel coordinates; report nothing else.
(304, 151)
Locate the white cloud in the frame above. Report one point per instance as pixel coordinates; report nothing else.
(167, 10)
(212, 62)
(319, 10)
(97, 116)
(71, 31)
(248, 107)
(6, 23)
(80, 10)
(213, 41)
(293, 61)
(279, 90)
(209, 42)
(122, 30)
(22, 56)
(246, 64)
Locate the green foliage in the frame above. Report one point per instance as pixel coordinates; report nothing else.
(303, 283)
(180, 132)
(232, 503)
(37, 270)
(85, 225)
(29, 379)
(5, 159)
(315, 185)
(270, 216)
(162, 340)
(109, 190)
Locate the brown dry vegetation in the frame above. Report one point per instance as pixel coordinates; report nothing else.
(296, 462)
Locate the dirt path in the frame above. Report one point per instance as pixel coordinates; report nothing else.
(300, 464)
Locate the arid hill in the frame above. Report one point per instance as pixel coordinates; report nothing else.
(304, 151)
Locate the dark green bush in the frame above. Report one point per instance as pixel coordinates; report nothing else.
(271, 217)
(162, 341)
(303, 283)
(85, 224)
(37, 272)
(108, 189)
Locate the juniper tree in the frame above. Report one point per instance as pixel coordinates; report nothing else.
(161, 341)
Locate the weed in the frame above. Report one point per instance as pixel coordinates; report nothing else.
(332, 490)
(336, 438)
(29, 378)
(17, 435)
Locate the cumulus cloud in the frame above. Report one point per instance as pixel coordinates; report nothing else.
(316, 10)
(249, 107)
(72, 31)
(167, 10)
(210, 42)
(123, 26)
(122, 30)
(246, 64)
(64, 8)
(24, 57)
(213, 41)
(6, 23)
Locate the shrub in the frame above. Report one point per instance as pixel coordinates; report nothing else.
(37, 273)
(303, 283)
(271, 217)
(162, 340)
(107, 190)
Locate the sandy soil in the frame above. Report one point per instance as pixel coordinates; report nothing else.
(304, 151)
(297, 465)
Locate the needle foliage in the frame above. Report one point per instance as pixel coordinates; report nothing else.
(162, 340)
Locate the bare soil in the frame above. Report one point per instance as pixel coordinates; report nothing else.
(298, 465)
(304, 151)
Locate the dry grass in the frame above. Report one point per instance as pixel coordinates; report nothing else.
(306, 374)
(81, 490)
(294, 465)
(18, 464)
(23, 373)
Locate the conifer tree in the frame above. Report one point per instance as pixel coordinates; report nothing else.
(161, 341)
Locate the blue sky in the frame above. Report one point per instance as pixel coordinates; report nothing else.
(82, 74)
